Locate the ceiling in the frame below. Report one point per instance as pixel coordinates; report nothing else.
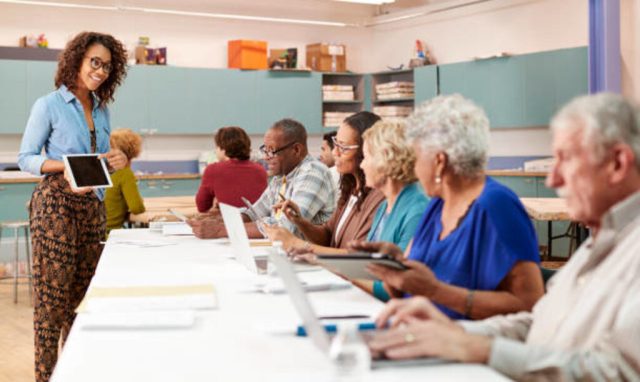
(352, 14)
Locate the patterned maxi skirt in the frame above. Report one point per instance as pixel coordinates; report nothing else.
(66, 230)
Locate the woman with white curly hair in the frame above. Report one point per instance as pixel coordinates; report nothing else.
(475, 252)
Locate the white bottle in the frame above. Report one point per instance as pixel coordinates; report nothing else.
(278, 250)
(349, 354)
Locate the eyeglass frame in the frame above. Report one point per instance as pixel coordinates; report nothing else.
(342, 148)
(106, 67)
(273, 153)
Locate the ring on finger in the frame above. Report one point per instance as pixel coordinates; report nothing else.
(409, 337)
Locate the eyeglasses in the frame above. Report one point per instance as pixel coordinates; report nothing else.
(97, 63)
(343, 148)
(272, 153)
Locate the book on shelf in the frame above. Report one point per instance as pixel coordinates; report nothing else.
(337, 95)
(395, 85)
(337, 88)
(392, 96)
(392, 111)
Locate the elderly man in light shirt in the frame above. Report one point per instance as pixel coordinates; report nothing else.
(587, 327)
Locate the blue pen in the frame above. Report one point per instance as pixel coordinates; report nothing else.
(332, 328)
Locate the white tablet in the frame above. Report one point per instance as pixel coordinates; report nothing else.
(87, 170)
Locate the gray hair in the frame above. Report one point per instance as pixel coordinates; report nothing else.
(292, 130)
(606, 119)
(456, 126)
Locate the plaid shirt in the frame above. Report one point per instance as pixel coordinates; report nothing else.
(309, 185)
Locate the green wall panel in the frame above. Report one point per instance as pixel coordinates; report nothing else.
(131, 106)
(426, 83)
(289, 95)
(13, 97)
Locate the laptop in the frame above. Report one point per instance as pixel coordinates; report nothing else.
(240, 241)
(314, 328)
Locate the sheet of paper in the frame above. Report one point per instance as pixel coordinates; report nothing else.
(177, 229)
(138, 320)
(142, 243)
(149, 298)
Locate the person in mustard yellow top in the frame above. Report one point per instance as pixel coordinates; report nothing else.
(123, 198)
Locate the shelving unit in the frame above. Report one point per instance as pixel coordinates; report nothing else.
(335, 110)
(399, 106)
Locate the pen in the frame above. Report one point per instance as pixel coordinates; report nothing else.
(346, 317)
(248, 204)
(291, 210)
(332, 328)
(179, 215)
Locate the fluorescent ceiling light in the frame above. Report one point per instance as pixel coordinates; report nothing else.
(376, 2)
(178, 13)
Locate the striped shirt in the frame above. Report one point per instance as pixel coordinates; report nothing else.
(309, 185)
(587, 326)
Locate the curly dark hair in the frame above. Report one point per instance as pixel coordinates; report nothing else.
(70, 61)
(234, 141)
(360, 122)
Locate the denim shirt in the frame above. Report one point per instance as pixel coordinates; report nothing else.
(57, 123)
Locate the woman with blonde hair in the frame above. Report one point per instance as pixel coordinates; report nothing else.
(124, 197)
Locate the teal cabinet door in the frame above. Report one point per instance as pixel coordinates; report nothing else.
(494, 84)
(425, 80)
(523, 186)
(219, 98)
(551, 80)
(14, 198)
(131, 104)
(40, 80)
(168, 90)
(150, 188)
(520, 91)
(13, 97)
(289, 95)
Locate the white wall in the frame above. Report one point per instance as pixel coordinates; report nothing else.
(514, 26)
(629, 44)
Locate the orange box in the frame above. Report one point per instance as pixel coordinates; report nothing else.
(247, 54)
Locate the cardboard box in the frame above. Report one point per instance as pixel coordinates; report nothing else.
(327, 57)
(247, 54)
(150, 56)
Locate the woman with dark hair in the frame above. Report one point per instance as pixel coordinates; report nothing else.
(234, 176)
(67, 223)
(357, 203)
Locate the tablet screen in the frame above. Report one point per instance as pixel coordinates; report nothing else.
(88, 171)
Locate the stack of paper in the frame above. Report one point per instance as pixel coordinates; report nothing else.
(394, 90)
(393, 113)
(334, 118)
(148, 298)
(337, 93)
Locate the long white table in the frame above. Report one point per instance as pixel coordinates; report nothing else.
(249, 337)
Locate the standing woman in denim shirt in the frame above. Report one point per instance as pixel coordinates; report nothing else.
(67, 224)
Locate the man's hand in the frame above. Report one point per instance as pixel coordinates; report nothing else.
(207, 227)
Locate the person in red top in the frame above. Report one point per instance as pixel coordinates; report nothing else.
(234, 175)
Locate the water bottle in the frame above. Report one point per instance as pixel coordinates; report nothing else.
(277, 250)
(349, 354)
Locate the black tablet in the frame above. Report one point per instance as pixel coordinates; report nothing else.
(87, 170)
(353, 265)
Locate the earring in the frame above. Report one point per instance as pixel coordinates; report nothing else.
(438, 179)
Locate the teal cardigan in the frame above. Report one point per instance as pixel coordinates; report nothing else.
(401, 224)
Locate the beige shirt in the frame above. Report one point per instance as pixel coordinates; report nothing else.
(587, 327)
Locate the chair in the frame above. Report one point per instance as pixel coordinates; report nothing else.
(17, 226)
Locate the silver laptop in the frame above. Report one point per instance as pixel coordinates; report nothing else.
(240, 241)
(314, 328)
